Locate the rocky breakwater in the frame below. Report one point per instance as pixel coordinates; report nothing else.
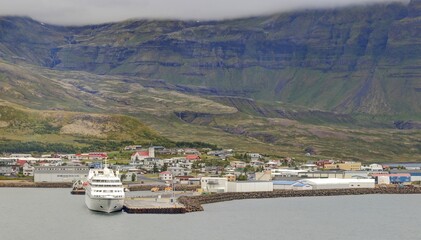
(194, 203)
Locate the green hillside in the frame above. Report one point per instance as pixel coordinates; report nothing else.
(57, 131)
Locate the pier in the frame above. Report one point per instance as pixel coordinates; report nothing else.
(153, 205)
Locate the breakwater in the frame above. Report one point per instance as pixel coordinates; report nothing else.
(194, 203)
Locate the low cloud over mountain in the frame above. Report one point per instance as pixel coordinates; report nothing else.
(77, 12)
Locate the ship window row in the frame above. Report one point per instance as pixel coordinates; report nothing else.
(99, 196)
(109, 181)
(102, 185)
(108, 191)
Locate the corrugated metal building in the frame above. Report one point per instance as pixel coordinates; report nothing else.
(336, 183)
(60, 174)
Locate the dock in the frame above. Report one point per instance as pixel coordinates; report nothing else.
(153, 205)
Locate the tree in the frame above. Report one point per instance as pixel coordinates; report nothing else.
(133, 177)
(123, 176)
(155, 168)
(242, 177)
(164, 167)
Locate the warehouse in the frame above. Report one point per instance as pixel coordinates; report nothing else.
(291, 185)
(392, 178)
(250, 186)
(415, 174)
(214, 184)
(60, 174)
(336, 183)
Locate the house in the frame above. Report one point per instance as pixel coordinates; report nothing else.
(238, 164)
(97, 156)
(256, 163)
(192, 157)
(189, 151)
(372, 167)
(271, 165)
(28, 170)
(133, 147)
(165, 176)
(7, 170)
(230, 177)
(322, 163)
(179, 171)
(20, 155)
(254, 156)
(309, 166)
(183, 179)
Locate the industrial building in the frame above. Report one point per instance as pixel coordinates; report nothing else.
(250, 186)
(60, 174)
(336, 183)
(214, 184)
(394, 178)
(348, 166)
(291, 185)
(335, 174)
(218, 184)
(415, 173)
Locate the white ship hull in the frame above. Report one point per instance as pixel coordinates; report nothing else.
(104, 204)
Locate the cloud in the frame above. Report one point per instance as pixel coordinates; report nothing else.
(77, 12)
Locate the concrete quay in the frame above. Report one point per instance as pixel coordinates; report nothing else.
(149, 205)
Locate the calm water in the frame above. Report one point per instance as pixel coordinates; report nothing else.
(41, 214)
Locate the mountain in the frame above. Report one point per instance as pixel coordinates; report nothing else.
(344, 83)
(351, 60)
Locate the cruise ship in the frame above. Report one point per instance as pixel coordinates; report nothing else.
(104, 191)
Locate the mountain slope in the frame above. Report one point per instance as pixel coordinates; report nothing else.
(22, 129)
(352, 60)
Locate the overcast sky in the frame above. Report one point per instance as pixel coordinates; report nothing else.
(77, 12)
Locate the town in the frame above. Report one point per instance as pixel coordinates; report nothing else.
(211, 170)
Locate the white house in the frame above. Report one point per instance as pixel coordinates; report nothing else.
(28, 170)
(372, 167)
(179, 171)
(165, 176)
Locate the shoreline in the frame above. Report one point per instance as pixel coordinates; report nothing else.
(194, 203)
(27, 184)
